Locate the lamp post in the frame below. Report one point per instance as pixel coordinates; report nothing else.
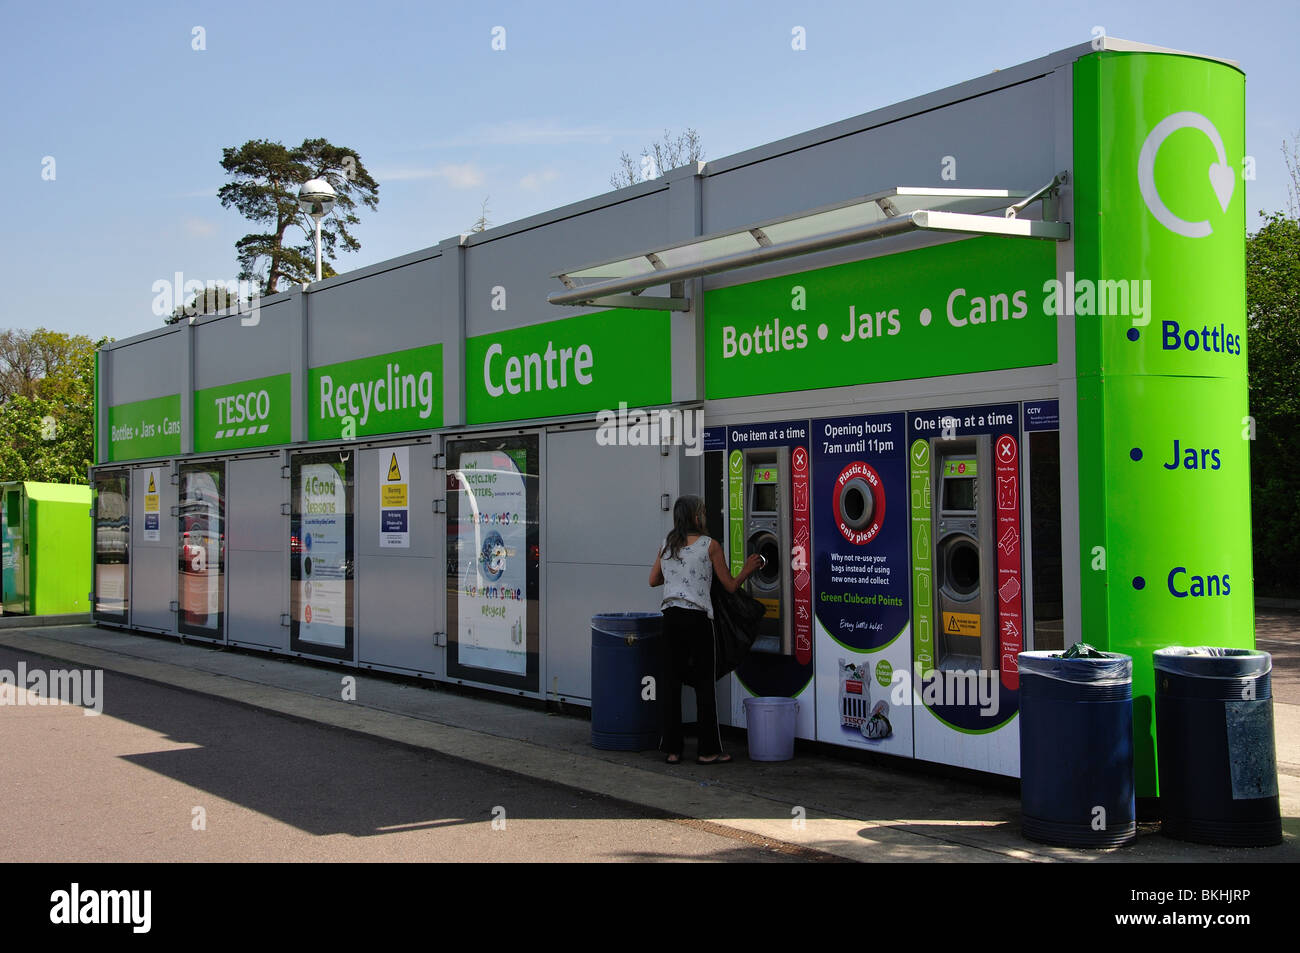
(316, 198)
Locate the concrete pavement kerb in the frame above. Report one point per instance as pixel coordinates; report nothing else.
(851, 810)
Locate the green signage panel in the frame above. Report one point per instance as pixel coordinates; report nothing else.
(1163, 433)
(146, 428)
(575, 365)
(975, 305)
(387, 393)
(923, 652)
(254, 413)
(736, 510)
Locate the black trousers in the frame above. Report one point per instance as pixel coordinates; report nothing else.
(689, 658)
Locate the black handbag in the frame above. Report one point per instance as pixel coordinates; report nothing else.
(736, 616)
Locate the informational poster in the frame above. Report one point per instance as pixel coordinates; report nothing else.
(775, 523)
(493, 560)
(861, 582)
(201, 584)
(1011, 639)
(492, 542)
(964, 473)
(325, 555)
(152, 505)
(394, 498)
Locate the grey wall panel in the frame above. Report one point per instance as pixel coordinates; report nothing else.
(254, 492)
(574, 593)
(227, 350)
(602, 503)
(601, 526)
(153, 564)
(153, 588)
(257, 536)
(257, 597)
(153, 367)
(391, 311)
(397, 612)
(522, 263)
(401, 593)
(999, 140)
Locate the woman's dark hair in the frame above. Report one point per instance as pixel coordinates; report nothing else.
(688, 517)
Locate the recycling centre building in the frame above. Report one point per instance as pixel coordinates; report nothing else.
(970, 370)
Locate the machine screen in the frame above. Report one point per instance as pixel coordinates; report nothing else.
(959, 493)
(764, 500)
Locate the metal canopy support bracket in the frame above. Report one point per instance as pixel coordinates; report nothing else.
(1049, 193)
(639, 301)
(885, 214)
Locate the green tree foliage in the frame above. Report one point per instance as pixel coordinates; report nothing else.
(212, 300)
(1273, 351)
(47, 405)
(264, 189)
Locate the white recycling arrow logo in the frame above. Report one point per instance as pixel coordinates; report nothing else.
(1222, 178)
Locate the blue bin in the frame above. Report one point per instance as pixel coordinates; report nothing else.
(1215, 746)
(1076, 750)
(626, 647)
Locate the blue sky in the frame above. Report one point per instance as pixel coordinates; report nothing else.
(135, 118)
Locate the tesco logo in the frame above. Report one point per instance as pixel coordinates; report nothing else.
(243, 408)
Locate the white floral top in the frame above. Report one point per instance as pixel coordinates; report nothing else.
(688, 578)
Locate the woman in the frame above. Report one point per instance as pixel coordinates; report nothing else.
(685, 567)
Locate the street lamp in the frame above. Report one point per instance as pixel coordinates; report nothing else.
(316, 198)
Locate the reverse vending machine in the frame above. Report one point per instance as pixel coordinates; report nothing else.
(965, 564)
(767, 532)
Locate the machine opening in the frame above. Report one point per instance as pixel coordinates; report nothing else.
(963, 569)
(770, 574)
(856, 503)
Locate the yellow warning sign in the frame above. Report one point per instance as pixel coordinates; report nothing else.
(151, 498)
(393, 495)
(961, 623)
(771, 608)
(394, 472)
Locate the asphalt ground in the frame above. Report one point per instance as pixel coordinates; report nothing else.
(822, 803)
(172, 775)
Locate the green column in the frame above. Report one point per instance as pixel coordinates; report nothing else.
(1159, 301)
